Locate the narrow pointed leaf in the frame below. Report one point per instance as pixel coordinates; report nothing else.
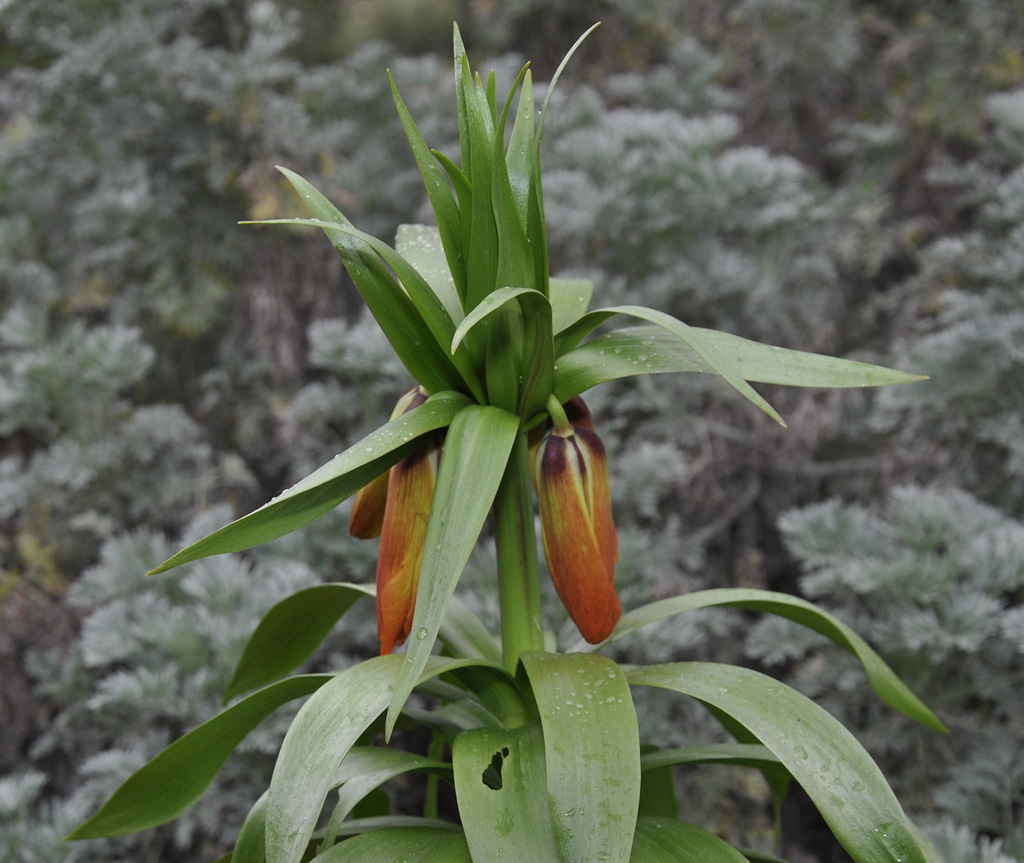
(329, 484)
(501, 783)
(592, 753)
(251, 844)
(444, 205)
(557, 75)
(398, 316)
(165, 787)
(520, 157)
(711, 351)
(405, 844)
(833, 768)
(883, 680)
(430, 307)
(665, 840)
(290, 632)
(651, 350)
(492, 303)
(476, 452)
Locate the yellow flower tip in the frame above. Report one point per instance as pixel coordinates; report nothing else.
(580, 542)
(410, 489)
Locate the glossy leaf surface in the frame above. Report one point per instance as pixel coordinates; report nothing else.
(883, 680)
(827, 761)
(592, 753)
(501, 783)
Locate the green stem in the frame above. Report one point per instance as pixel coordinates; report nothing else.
(522, 623)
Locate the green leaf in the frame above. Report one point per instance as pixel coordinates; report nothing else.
(401, 319)
(491, 304)
(164, 788)
(570, 299)
(665, 840)
(367, 767)
(519, 158)
(883, 680)
(651, 350)
(737, 754)
(329, 484)
(421, 246)
(710, 351)
(251, 845)
(405, 844)
(827, 760)
(446, 210)
(592, 752)
(428, 304)
(465, 634)
(321, 735)
(475, 454)
(290, 632)
(500, 780)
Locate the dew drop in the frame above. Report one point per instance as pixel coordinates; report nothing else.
(421, 633)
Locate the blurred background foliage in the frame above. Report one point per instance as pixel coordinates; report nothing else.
(833, 175)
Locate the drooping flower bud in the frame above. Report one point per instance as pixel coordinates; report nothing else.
(367, 517)
(580, 543)
(403, 535)
(396, 507)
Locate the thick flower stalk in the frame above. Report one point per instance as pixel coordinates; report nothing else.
(570, 474)
(396, 506)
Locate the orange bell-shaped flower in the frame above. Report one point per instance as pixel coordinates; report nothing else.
(396, 507)
(571, 478)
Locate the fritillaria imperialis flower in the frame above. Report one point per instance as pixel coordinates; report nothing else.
(570, 474)
(396, 506)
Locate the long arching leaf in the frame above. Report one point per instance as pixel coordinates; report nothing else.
(883, 680)
(829, 763)
(329, 484)
(164, 788)
(290, 632)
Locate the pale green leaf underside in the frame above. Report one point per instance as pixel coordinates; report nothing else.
(491, 304)
(591, 750)
(883, 680)
(508, 816)
(421, 246)
(329, 484)
(824, 758)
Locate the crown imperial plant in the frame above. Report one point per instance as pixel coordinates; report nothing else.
(541, 745)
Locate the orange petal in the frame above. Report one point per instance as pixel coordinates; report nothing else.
(403, 534)
(367, 516)
(580, 542)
